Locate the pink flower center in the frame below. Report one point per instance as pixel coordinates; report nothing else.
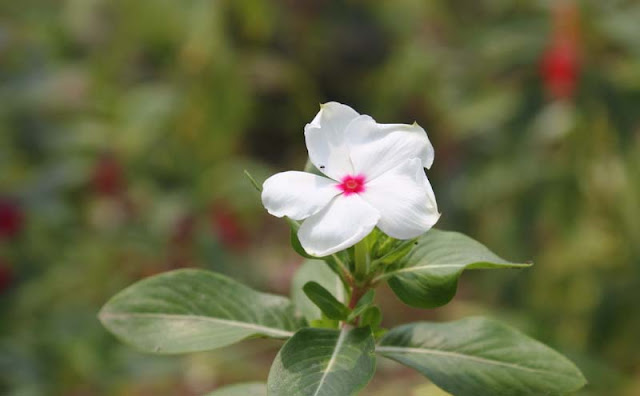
(352, 184)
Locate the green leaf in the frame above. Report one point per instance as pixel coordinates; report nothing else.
(366, 299)
(372, 317)
(294, 226)
(363, 303)
(297, 246)
(322, 362)
(476, 357)
(192, 310)
(332, 308)
(397, 253)
(246, 389)
(428, 277)
(325, 323)
(318, 271)
(310, 168)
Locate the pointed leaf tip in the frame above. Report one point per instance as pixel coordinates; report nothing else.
(481, 357)
(428, 277)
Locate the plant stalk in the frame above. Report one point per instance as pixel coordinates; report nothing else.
(362, 260)
(356, 294)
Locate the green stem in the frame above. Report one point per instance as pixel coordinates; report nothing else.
(356, 294)
(342, 265)
(361, 259)
(253, 181)
(341, 269)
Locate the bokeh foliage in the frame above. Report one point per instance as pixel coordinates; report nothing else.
(125, 127)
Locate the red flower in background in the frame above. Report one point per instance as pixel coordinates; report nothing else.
(108, 176)
(11, 218)
(227, 227)
(6, 275)
(560, 69)
(560, 65)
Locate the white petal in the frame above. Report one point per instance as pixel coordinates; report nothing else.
(376, 148)
(325, 139)
(342, 224)
(405, 200)
(297, 195)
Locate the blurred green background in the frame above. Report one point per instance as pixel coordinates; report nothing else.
(125, 127)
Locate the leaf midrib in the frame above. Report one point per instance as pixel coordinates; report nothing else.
(332, 360)
(259, 328)
(417, 268)
(429, 351)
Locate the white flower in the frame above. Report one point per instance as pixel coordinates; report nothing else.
(375, 177)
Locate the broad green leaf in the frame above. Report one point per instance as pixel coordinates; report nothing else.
(428, 276)
(318, 271)
(323, 299)
(246, 389)
(476, 357)
(322, 362)
(192, 310)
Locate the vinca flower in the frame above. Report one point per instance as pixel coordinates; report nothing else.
(373, 177)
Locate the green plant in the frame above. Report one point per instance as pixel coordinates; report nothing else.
(369, 216)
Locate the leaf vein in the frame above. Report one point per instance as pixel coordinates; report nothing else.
(250, 326)
(427, 351)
